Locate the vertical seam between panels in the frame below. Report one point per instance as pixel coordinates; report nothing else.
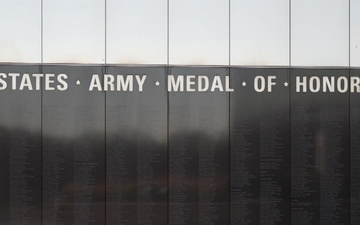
(105, 154)
(167, 145)
(168, 33)
(229, 108)
(349, 34)
(105, 135)
(229, 34)
(289, 81)
(42, 33)
(41, 149)
(41, 106)
(349, 112)
(229, 120)
(105, 30)
(349, 129)
(167, 69)
(290, 63)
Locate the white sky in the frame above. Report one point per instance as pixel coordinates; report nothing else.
(137, 32)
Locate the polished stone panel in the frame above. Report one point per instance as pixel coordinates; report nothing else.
(355, 153)
(320, 179)
(73, 137)
(260, 147)
(20, 150)
(136, 148)
(199, 151)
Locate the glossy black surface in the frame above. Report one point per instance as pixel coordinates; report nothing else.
(20, 152)
(320, 176)
(199, 153)
(73, 150)
(136, 150)
(355, 153)
(79, 157)
(259, 134)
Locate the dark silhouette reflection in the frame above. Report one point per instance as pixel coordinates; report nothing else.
(73, 127)
(354, 115)
(20, 151)
(320, 151)
(199, 152)
(136, 151)
(73, 179)
(61, 186)
(260, 148)
(136, 187)
(20, 177)
(198, 178)
(157, 158)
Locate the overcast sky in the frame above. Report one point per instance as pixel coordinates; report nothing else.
(190, 32)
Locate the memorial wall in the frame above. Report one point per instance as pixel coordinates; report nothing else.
(121, 145)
